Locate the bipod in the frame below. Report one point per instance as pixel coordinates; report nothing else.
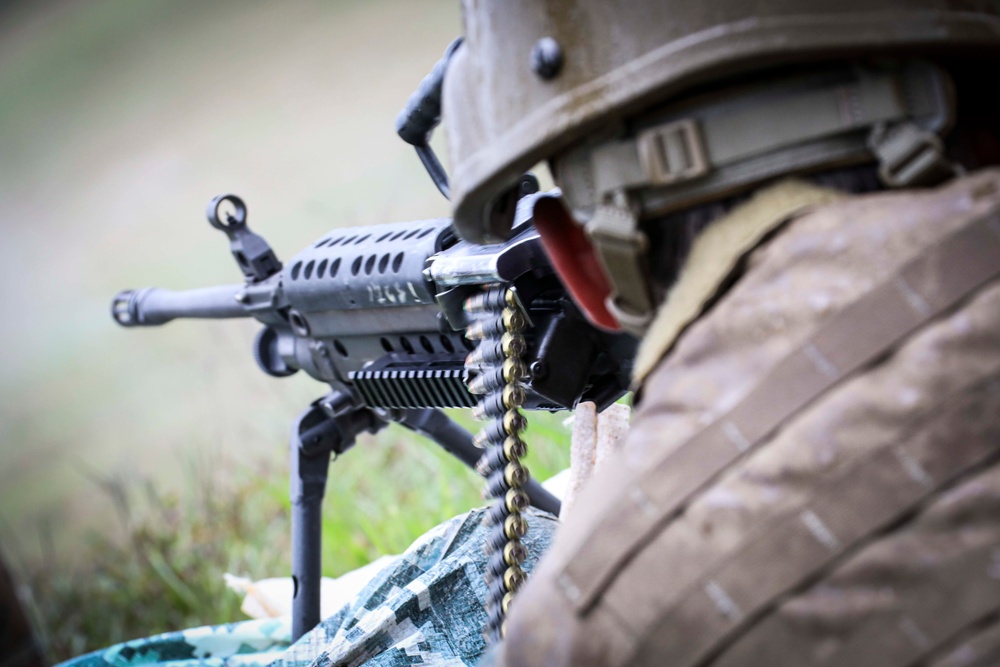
(329, 427)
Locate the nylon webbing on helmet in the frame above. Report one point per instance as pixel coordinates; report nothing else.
(710, 149)
(621, 249)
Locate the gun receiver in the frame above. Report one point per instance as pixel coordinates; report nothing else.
(379, 314)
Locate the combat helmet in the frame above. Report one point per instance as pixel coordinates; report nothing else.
(535, 77)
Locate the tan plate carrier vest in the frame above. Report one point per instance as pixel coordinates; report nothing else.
(812, 475)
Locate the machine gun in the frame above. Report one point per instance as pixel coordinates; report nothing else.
(388, 316)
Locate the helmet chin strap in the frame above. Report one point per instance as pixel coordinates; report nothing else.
(602, 267)
(621, 248)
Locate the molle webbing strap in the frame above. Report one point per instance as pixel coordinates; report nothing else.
(904, 637)
(849, 505)
(924, 288)
(978, 646)
(733, 130)
(722, 143)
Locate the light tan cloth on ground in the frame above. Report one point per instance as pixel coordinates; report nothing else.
(272, 597)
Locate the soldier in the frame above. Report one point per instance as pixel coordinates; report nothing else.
(792, 204)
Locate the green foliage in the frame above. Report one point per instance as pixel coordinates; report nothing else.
(417, 486)
(166, 572)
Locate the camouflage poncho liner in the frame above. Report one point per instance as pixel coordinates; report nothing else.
(425, 608)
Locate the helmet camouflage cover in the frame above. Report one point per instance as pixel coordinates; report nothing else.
(513, 98)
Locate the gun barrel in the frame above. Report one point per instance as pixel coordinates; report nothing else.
(153, 306)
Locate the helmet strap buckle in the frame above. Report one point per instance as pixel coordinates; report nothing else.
(621, 247)
(909, 155)
(673, 153)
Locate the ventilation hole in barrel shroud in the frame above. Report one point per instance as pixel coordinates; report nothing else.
(321, 269)
(468, 344)
(386, 345)
(398, 235)
(446, 343)
(356, 266)
(341, 349)
(307, 274)
(426, 344)
(383, 237)
(362, 239)
(397, 262)
(412, 234)
(295, 270)
(425, 232)
(406, 344)
(383, 263)
(322, 242)
(348, 240)
(299, 324)
(369, 265)
(334, 267)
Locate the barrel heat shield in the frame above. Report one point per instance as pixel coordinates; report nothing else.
(378, 266)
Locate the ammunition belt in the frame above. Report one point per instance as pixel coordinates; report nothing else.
(496, 320)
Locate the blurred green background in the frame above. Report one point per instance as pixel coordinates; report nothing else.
(119, 120)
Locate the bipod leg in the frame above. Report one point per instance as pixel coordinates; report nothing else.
(314, 440)
(330, 426)
(436, 426)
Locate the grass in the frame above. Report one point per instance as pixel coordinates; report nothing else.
(164, 570)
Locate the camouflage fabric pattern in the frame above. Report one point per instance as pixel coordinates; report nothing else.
(424, 608)
(254, 643)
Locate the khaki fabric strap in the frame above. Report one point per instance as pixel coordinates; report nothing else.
(715, 254)
(925, 287)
